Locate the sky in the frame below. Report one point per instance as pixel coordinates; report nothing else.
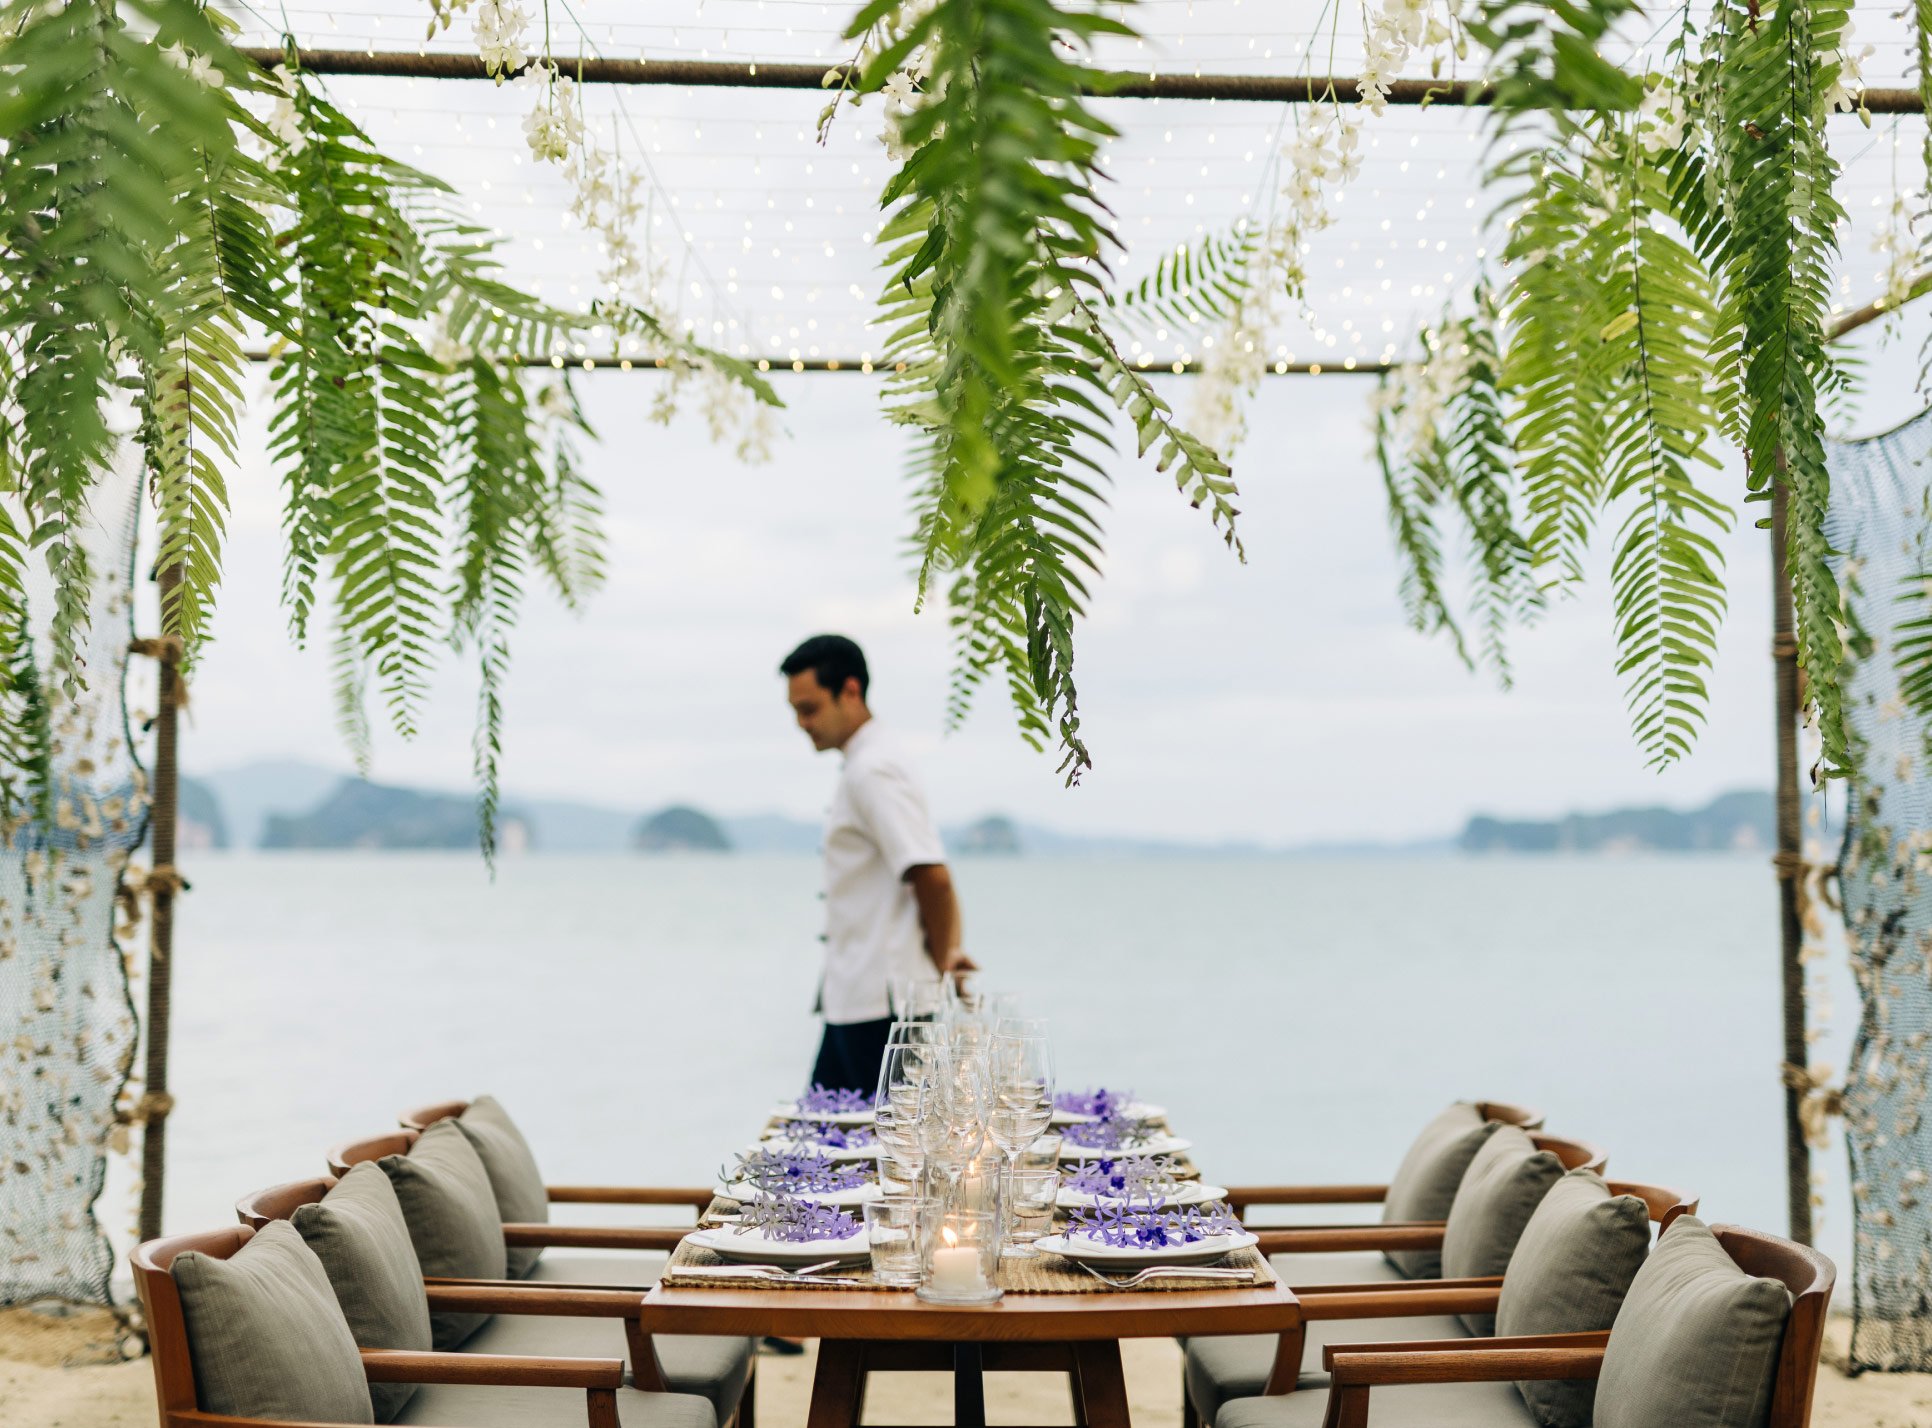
(1282, 701)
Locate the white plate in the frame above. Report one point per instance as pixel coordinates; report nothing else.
(789, 1110)
(1133, 1110)
(830, 1152)
(1191, 1192)
(1083, 1250)
(751, 1247)
(1154, 1145)
(742, 1190)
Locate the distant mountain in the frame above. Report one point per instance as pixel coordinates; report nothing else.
(359, 814)
(1734, 822)
(679, 829)
(198, 817)
(248, 794)
(993, 834)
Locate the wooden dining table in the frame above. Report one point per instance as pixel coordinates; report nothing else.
(864, 1330)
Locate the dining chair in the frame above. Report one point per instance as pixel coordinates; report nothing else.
(245, 1332)
(1722, 1328)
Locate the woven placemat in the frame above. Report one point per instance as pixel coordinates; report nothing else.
(1048, 1274)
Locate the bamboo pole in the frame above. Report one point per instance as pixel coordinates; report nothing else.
(1787, 701)
(162, 885)
(1117, 84)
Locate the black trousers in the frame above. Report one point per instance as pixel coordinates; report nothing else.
(849, 1055)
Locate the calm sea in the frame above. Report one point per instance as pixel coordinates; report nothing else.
(1299, 1019)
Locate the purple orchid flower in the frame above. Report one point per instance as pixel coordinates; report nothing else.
(1100, 1103)
(1123, 1177)
(1151, 1224)
(799, 1173)
(833, 1137)
(821, 1101)
(1115, 1132)
(793, 1220)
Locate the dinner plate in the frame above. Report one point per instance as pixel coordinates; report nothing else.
(1084, 1250)
(1153, 1145)
(1133, 1111)
(1190, 1192)
(751, 1247)
(742, 1190)
(830, 1152)
(791, 1111)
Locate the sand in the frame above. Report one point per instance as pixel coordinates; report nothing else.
(68, 1372)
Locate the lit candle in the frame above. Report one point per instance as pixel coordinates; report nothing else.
(955, 1267)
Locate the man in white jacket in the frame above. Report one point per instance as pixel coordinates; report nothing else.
(890, 913)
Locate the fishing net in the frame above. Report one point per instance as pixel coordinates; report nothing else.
(1881, 522)
(67, 1025)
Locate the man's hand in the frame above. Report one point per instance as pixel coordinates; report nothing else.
(959, 967)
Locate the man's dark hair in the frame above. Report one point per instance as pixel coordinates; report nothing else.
(833, 658)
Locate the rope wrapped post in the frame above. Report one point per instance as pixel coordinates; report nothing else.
(1789, 862)
(163, 884)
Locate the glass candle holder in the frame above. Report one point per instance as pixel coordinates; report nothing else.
(1030, 1196)
(1043, 1154)
(959, 1250)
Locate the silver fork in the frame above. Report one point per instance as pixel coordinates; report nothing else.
(1168, 1271)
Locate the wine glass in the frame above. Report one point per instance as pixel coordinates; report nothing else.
(952, 1116)
(1020, 1099)
(1016, 1025)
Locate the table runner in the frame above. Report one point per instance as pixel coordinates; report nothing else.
(1047, 1274)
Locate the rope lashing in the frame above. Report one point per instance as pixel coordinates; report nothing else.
(1820, 1100)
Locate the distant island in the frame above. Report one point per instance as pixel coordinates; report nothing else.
(289, 805)
(359, 814)
(1733, 822)
(680, 830)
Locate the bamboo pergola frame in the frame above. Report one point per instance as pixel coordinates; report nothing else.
(1234, 88)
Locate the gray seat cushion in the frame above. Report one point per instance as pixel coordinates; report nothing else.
(520, 1194)
(357, 1231)
(715, 1368)
(622, 1268)
(1220, 1370)
(1425, 1183)
(1506, 1180)
(1367, 1267)
(1696, 1342)
(266, 1335)
(499, 1406)
(1428, 1405)
(450, 1208)
(1569, 1275)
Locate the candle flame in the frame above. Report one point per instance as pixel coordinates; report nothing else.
(946, 1234)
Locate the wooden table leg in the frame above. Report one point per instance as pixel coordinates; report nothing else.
(1100, 1387)
(838, 1388)
(969, 1387)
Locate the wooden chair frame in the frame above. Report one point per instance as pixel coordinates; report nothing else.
(617, 1237)
(1242, 1196)
(1414, 1298)
(1355, 1369)
(174, 1374)
(1389, 1235)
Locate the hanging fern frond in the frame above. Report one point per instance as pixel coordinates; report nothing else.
(1194, 284)
(1769, 72)
(996, 242)
(1412, 489)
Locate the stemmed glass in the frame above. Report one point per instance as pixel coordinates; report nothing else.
(952, 1116)
(904, 1074)
(1020, 1103)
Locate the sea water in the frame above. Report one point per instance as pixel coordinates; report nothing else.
(1298, 1018)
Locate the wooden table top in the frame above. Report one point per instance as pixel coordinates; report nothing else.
(886, 1314)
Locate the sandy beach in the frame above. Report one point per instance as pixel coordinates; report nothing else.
(71, 1372)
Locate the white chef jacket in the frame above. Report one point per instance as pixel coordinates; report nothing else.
(877, 827)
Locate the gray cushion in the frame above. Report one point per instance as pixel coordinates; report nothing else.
(1219, 1370)
(358, 1233)
(451, 1211)
(1425, 1183)
(266, 1335)
(1433, 1405)
(1569, 1274)
(514, 1177)
(1696, 1342)
(716, 1368)
(497, 1406)
(1506, 1180)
